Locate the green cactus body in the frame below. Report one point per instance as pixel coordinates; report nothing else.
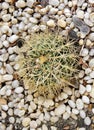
(48, 62)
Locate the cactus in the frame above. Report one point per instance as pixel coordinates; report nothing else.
(48, 63)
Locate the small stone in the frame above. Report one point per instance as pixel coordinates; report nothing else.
(8, 92)
(75, 111)
(85, 99)
(80, 14)
(54, 2)
(33, 124)
(6, 17)
(19, 90)
(92, 92)
(87, 71)
(67, 90)
(44, 127)
(3, 101)
(62, 96)
(6, 43)
(67, 12)
(20, 4)
(51, 23)
(30, 3)
(82, 114)
(4, 57)
(79, 104)
(12, 120)
(82, 128)
(92, 74)
(5, 5)
(48, 102)
(81, 42)
(33, 20)
(13, 38)
(81, 25)
(66, 115)
(92, 17)
(61, 23)
(5, 107)
(9, 69)
(91, 1)
(33, 105)
(88, 88)
(54, 119)
(53, 11)
(91, 53)
(71, 104)
(84, 52)
(60, 110)
(15, 83)
(26, 121)
(7, 77)
(87, 121)
(91, 63)
(91, 37)
(82, 89)
(81, 74)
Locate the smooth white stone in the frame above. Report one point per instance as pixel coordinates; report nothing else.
(7, 77)
(20, 4)
(54, 119)
(4, 57)
(44, 127)
(91, 53)
(5, 107)
(15, 83)
(91, 63)
(33, 105)
(61, 23)
(6, 43)
(62, 96)
(33, 20)
(43, 27)
(48, 102)
(88, 88)
(68, 91)
(81, 74)
(80, 14)
(75, 111)
(91, 1)
(12, 120)
(82, 89)
(51, 23)
(5, 5)
(30, 3)
(12, 57)
(71, 104)
(79, 104)
(9, 69)
(92, 92)
(92, 74)
(87, 71)
(87, 121)
(13, 38)
(91, 37)
(19, 90)
(84, 52)
(41, 117)
(26, 121)
(85, 99)
(53, 11)
(16, 66)
(33, 124)
(54, 2)
(82, 128)
(8, 92)
(82, 114)
(66, 115)
(3, 91)
(68, 109)
(67, 12)
(6, 17)
(60, 110)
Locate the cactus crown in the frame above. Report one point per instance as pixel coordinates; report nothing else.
(48, 62)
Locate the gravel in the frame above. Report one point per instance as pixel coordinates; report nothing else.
(20, 20)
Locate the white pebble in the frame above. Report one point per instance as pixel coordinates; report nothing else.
(91, 1)
(7, 77)
(88, 88)
(91, 37)
(19, 90)
(71, 103)
(91, 53)
(85, 99)
(54, 2)
(92, 92)
(8, 92)
(12, 120)
(6, 17)
(15, 83)
(82, 114)
(80, 14)
(84, 52)
(60, 109)
(33, 124)
(44, 127)
(92, 74)
(33, 20)
(51, 23)
(5, 5)
(9, 69)
(91, 63)
(26, 121)
(66, 115)
(13, 38)
(48, 102)
(20, 4)
(82, 89)
(6, 43)
(5, 107)
(30, 3)
(87, 121)
(61, 23)
(87, 70)
(79, 104)
(75, 111)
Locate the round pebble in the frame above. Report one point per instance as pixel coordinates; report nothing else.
(87, 121)
(85, 99)
(26, 121)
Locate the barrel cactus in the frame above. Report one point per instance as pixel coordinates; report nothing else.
(48, 63)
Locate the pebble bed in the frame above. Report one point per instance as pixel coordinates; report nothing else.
(19, 110)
